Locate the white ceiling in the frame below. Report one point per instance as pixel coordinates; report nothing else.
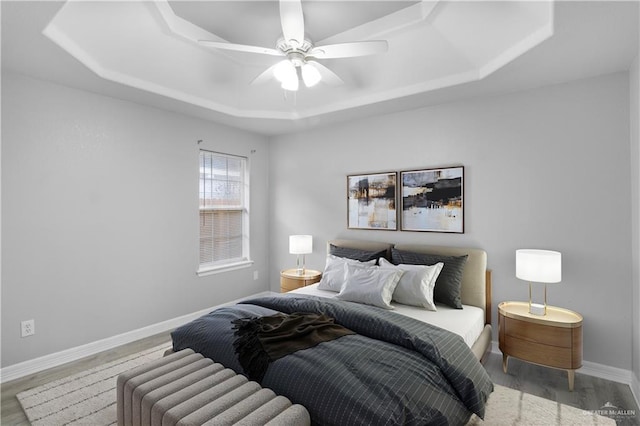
(147, 52)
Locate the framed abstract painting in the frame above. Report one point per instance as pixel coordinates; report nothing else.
(432, 200)
(371, 201)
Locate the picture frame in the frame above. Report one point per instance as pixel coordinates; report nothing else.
(432, 200)
(372, 200)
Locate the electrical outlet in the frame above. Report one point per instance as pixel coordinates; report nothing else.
(27, 328)
(255, 275)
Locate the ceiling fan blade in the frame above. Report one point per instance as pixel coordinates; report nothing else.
(265, 75)
(328, 76)
(292, 21)
(349, 50)
(241, 47)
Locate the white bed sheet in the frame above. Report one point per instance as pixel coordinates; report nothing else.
(467, 322)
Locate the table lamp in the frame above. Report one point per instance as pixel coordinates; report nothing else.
(300, 245)
(538, 266)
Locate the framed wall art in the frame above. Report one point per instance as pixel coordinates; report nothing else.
(432, 200)
(372, 201)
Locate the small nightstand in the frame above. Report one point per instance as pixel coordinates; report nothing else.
(553, 340)
(290, 280)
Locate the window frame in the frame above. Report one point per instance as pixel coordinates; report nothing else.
(244, 260)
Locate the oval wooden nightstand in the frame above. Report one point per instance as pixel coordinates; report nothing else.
(552, 340)
(290, 279)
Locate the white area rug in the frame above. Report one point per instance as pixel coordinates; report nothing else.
(89, 398)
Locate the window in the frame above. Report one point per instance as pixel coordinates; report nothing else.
(224, 216)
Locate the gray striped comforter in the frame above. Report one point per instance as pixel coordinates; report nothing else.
(394, 371)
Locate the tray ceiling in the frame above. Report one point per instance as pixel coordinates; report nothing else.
(149, 51)
(149, 46)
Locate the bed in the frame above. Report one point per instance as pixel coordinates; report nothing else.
(390, 366)
(473, 323)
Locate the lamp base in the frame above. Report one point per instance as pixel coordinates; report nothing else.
(300, 269)
(537, 309)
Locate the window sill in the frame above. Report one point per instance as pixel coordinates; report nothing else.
(210, 270)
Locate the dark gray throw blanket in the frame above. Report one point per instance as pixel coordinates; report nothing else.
(394, 371)
(261, 340)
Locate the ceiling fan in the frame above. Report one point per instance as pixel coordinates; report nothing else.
(301, 54)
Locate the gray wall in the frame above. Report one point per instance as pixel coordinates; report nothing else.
(547, 168)
(100, 216)
(634, 83)
(99, 204)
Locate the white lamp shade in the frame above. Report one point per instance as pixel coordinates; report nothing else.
(300, 244)
(539, 266)
(285, 72)
(310, 75)
(291, 85)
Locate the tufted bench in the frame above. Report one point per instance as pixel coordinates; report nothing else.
(185, 388)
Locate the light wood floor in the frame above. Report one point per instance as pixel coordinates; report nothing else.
(591, 393)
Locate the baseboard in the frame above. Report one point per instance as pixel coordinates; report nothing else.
(36, 365)
(605, 372)
(602, 371)
(635, 389)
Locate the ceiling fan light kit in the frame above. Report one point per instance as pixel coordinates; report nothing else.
(285, 72)
(310, 75)
(302, 56)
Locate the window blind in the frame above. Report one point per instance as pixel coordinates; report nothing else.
(222, 208)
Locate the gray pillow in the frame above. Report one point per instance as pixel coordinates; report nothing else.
(449, 282)
(356, 254)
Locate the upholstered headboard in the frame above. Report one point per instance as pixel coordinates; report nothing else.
(474, 276)
(474, 292)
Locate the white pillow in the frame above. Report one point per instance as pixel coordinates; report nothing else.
(334, 272)
(416, 284)
(370, 285)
